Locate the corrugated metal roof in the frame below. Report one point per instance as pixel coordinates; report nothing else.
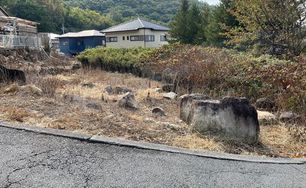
(135, 25)
(86, 33)
(19, 20)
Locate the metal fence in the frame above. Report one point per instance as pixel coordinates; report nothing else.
(14, 41)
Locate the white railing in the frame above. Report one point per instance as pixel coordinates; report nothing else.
(14, 41)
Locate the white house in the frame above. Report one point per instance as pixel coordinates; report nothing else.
(136, 33)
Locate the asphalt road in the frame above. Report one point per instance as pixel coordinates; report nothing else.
(34, 160)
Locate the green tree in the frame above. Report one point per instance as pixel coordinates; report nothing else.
(179, 26)
(195, 34)
(271, 26)
(221, 20)
(78, 19)
(51, 14)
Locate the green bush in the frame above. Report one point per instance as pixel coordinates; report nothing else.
(113, 59)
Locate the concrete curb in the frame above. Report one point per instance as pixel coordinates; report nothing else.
(154, 147)
(47, 131)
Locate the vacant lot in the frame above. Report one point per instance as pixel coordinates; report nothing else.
(77, 101)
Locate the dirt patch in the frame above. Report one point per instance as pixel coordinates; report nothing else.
(72, 101)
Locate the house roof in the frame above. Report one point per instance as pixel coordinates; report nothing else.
(136, 25)
(3, 12)
(19, 20)
(86, 33)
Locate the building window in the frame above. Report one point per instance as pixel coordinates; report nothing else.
(163, 38)
(123, 38)
(150, 38)
(65, 43)
(111, 39)
(147, 38)
(137, 38)
(128, 38)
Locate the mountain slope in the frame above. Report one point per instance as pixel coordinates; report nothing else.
(161, 11)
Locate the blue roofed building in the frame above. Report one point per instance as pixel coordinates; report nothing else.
(136, 33)
(74, 43)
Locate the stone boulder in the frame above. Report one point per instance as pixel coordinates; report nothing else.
(117, 90)
(167, 88)
(109, 90)
(186, 103)
(233, 118)
(266, 118)
(128, 101)
(26, 89)
(12, 75)
(170, 95)
(289, 117)
(72, 98)
(158, 111)
(93, 105)
(265, 104)
(88, 85)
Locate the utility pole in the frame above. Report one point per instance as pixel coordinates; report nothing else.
(63, 28)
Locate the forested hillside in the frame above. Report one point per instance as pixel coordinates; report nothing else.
(54, 14)
(89, 14)
(158, 10)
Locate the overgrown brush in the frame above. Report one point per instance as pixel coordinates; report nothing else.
(49, 86)
(221, 72)
(213, 71)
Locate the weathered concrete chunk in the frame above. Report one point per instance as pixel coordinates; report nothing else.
(266, 118)
(233, 118)
(289, 117)
(186, 103)
(159, 111)
(109, 90)
(170, 96)
(265, 104)
(128, 101)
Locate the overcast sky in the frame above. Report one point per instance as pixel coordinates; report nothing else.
(212, 2)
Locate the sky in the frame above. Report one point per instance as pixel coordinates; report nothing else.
(211, 2)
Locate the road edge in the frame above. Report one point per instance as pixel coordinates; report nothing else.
(150, 146)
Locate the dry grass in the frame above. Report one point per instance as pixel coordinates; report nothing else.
(55, 110)
(280, 140)
(49, 85)
(196, 142)
(15, 114)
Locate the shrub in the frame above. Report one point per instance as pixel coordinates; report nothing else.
(221, 72)
(49, 86)
(116, 60)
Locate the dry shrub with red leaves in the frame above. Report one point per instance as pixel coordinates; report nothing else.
(220, 72)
